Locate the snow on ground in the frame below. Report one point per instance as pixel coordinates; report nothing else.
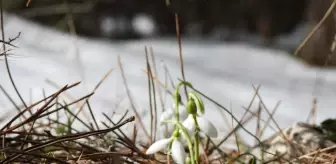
(224, 72)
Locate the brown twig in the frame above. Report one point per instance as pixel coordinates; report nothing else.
(66, 138)
(10, 99)
(138, 118)
(59, 108)
(94, 90)
(154, 76)
(31, 106)
(91, 113)
(31, 118)
(269, 118)
(178, 37)
(5, 54)
(240, 124)
(310, 35)
(150, 98)
(276, 124)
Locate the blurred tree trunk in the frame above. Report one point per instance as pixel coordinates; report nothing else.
(317, 50)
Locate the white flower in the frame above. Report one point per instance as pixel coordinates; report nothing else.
(166, 115)
(178, 153)
(205, 126)
(169, 113)
(158, 145)
(189, 124)
(177, 149)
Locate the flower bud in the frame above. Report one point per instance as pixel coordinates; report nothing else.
(176, 134)
(177, 96)
(192, 108)
(199, 103)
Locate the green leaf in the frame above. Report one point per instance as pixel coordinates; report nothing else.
(253, 160)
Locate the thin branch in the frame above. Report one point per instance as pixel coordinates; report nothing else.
(66, 138)
(310, 35)
(5, 54)
(178, 37)
(138, 118)
(150, 98)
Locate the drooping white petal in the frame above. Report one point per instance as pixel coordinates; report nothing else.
(178, 153)
(183, 112)
(207, 127)
(189, 125)
(166, 115)
(158, 145)
(184, 141)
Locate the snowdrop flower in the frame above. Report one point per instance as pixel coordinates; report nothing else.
(169, 113)
(166, 115)
(194, 106)
(158, 145)
(188, 122)
(178, 153)
(177, 149)
(205, 126)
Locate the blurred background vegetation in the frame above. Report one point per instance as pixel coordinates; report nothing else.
(223, 20)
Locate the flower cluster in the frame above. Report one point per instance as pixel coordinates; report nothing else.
(187, 131)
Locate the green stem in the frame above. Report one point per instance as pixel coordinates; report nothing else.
(187, 137)
(170, 146)
(177, 115)
(197, 129)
